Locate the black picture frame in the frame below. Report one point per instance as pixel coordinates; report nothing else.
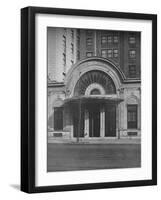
(28, 98)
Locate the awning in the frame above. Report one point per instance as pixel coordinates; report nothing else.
(93, 99)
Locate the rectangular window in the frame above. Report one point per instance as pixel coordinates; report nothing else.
(132, 71)
(109, 39)
(115, 53)
(64, 43)
(72, 34)
(72, 48)
(89, 54)
(78, 55)
(58, 118)
(103, 40)
(104, 53)
(131, 116)
(89, 42)
(132, 54)
(64, 59)
(132, 40)
(115, 39)
(89, 32)
(109, 53)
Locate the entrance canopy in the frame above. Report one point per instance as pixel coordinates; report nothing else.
(99, 99)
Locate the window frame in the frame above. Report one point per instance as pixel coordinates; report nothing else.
(132, 124)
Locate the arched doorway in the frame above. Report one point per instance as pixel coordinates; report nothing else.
(97, 111)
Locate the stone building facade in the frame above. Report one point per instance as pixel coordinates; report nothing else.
(94, 84)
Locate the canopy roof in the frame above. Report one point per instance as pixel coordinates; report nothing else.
(93, 99)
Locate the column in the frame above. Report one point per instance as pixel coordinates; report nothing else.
(86, 124)
(102, 122)
(117, 121)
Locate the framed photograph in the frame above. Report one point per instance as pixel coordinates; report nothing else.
(88, 99)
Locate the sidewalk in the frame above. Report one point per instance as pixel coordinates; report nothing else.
(96, 141)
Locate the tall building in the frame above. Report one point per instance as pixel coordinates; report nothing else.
(94, 81)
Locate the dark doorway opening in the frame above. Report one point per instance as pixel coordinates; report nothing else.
(94, 121)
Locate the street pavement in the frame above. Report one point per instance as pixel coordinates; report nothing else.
(69, 157)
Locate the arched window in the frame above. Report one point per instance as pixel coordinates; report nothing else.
(95, 91)
(94, 77)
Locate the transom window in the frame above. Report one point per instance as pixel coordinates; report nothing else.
(95, 91)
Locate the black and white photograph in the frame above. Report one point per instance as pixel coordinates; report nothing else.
(93, 99)
(89, 91)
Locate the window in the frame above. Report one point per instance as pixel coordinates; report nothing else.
(72, 34)
(58, 118)
(132, 54)
(89, 54)
(104, 53)
(109, 39)
(103, 39)
(115, 53)
(89, 41)
(131, 116)
(132, 71)
(64, 43)
(115, 39)
(78, 55)
(89, 32)
(64, 59)
(109, 53)
(95, 91)
(72, 48)
(132, 40)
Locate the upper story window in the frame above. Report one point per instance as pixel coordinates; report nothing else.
(72, 48)
(72, 34)
(132, 40)
(64, 43)
(103, 39)
(109, 39)
(89, 42)
(115, 39)
(132, 71)
(132, 54)
(104, 53)
(109, 53)
(64, 59)
(89, 32)
(115, 53)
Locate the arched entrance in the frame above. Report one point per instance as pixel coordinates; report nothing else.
(92, 87)
(96, 116)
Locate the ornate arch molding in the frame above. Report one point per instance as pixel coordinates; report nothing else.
(132, 100)
(89, 64)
